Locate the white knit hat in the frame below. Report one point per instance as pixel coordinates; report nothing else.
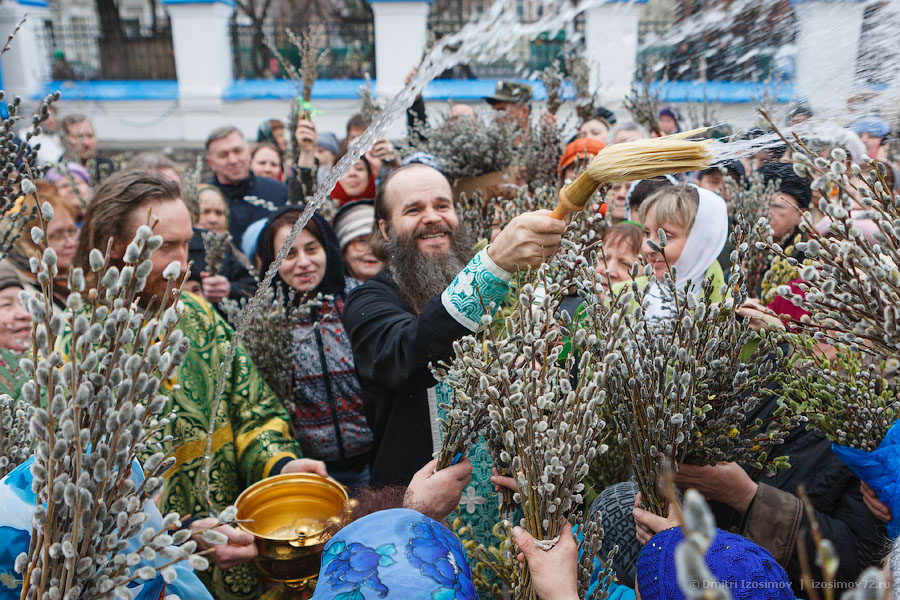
(353, 220)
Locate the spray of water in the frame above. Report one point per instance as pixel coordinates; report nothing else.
(493, 36)
(838, 95)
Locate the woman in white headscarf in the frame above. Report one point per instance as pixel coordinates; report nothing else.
(695, 223)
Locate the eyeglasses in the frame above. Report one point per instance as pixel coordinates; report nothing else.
(359, 243)
(63, 235)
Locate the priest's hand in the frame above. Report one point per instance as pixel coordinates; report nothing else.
(528, 241)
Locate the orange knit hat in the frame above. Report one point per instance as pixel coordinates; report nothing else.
(581, 148)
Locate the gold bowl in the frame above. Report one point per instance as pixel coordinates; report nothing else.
(290, 516)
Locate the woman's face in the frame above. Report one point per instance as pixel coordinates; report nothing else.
(676, 237)
(618, 201)
(266, 163)
(62, 235)
(359, 259)
(212, 212)
(356, 180)
(304, 267)
(617, 267)
(784, 215)
(324, 156)
(15, 323)
(593, 129)
(667, 125)
(75, 190)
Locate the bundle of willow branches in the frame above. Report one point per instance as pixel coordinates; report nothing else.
(15, 441)
(541, 422)
(270, 340)
(18, 166)
(852, 400)
(468, 147)
(682, 387)
(849, 284)
(750, 200)
(215, 247)
(94, 378)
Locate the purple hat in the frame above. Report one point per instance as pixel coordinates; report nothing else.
(67, 170)
(671, 111)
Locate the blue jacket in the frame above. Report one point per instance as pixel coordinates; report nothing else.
(17, 502)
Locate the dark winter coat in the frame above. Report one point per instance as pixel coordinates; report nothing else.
(243, 284)
(775, 518)
(393, 348)
(326, 410)
(250, 200)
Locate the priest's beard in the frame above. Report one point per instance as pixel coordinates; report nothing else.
(420, 277)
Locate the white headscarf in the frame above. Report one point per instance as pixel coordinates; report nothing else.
(704, 245)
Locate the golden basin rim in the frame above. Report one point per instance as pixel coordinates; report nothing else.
(276, 481)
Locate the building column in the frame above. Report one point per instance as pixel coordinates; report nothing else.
(400, 33)
(25, 66)
(203, 61)
(827, 46)
(611, 37)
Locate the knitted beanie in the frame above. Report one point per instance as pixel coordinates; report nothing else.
(872, 125)
(747, 570)
(353, 220)
(328, 141)
(616, 504)
(581, 148)
(791, 183)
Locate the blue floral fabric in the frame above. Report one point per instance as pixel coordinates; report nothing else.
(480, 285)
(353, 567)
(879, 469)
(397, 553)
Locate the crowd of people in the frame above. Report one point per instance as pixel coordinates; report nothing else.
(390, 262)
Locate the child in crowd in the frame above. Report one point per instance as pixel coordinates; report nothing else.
(695, 224)
(621, 249)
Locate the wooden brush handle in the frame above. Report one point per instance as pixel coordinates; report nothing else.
(575, 196)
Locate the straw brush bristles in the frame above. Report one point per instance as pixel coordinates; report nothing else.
(643, 159)
(633, 161)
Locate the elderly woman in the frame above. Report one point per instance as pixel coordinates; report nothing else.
(353, 224)
(62, 236)
(73, 183)
(326, 410)
(15, 322)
